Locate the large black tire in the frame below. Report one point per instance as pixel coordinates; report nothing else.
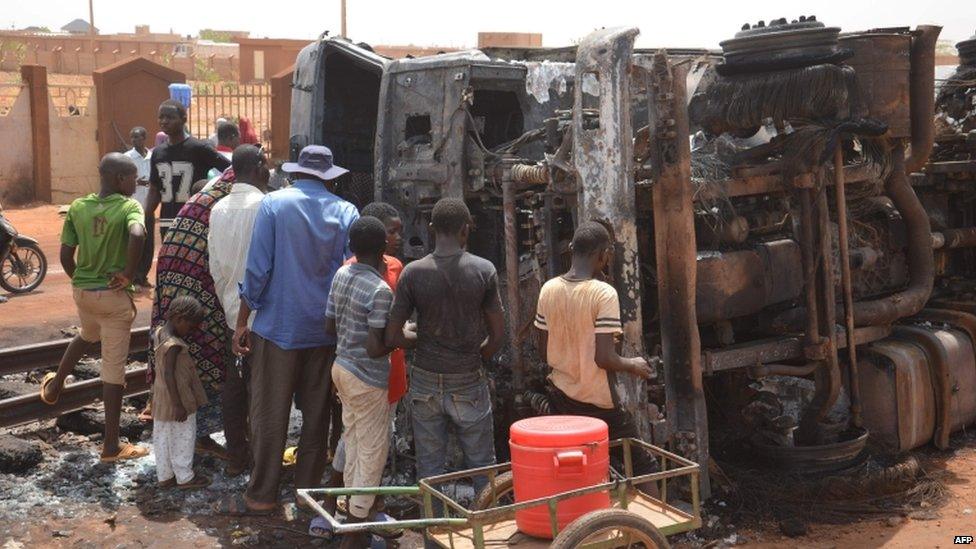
(36, 261)
(601, 523)
(488, 498)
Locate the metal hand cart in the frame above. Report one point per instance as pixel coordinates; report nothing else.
(634, 520)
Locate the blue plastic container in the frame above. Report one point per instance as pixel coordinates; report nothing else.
(182, 93)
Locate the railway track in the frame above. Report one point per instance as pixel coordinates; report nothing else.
(29, 407)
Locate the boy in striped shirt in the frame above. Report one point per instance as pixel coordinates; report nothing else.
(357, 312)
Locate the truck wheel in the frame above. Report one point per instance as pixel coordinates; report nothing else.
(623, 528)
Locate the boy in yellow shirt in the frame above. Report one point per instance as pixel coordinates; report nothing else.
(577, 317)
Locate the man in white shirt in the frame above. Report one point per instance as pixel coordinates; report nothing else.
(231, 224)
(140, 155)
(213, 137)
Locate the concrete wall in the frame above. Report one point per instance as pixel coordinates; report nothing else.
(68, 54)
(278, 56)
(107, 43)
(509, 40)
(281, 113)
(74, 154)
(399, 52)
(16, 160)
(226, 68)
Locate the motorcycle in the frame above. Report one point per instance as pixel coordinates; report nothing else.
(23, 265)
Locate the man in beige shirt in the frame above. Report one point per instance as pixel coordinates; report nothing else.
(578, 317)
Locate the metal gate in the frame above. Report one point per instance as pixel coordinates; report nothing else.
(230, 100)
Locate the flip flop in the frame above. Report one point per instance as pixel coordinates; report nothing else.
(126, 451)
(385, 533)
(198, 481)
(48, 377)
(236, 506)
(211, 449)
(320, 528)
(233, 471)
(145, 415)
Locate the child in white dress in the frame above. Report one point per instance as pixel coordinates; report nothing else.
(177, 394)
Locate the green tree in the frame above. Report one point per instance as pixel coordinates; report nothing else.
(12, 49)
(215, 35)
(945, 47)
(204, 72)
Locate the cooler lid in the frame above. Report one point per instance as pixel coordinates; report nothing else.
(558, 431)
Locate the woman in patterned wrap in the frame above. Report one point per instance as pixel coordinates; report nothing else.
(182, 268)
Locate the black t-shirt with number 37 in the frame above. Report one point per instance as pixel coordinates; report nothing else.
(174, 168)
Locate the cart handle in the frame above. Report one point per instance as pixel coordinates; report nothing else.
(342, 528)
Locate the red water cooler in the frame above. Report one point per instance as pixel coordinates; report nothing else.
(554, 454)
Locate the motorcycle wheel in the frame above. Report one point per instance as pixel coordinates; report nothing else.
(23, 269)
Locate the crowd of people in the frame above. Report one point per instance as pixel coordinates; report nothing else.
(265, 300)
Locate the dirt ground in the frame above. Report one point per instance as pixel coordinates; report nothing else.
(145, 519)
(926, 527)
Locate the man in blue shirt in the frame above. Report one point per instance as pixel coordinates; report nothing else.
(300, 240)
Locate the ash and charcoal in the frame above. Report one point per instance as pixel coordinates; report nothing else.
(69, 476)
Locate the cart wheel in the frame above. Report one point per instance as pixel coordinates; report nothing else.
(624, 528)
(503, 493)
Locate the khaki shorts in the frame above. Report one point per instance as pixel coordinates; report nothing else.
(106, 316)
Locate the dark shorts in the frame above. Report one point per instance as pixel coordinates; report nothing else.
(619, 422)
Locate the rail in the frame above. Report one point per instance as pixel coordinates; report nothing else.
(28, 407)
(16, 360)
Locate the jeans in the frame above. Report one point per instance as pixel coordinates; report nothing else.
(441, 403)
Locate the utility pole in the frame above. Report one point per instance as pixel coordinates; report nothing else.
(343, 16)
(91, 23)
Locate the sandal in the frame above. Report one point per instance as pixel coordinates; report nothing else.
(198, 481)
(233, 471)
(320, 528)
(385, 533)
(48, 377)
(126, 451)
(209, 447)
(236, 506)
(145, 416)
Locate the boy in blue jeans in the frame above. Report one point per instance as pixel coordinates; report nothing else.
(455, 296)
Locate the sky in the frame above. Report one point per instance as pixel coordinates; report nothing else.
(702, 23)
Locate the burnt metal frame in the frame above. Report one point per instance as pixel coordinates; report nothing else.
(603, 160)
(676, 258)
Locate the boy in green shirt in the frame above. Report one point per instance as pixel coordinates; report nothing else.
(101, 244)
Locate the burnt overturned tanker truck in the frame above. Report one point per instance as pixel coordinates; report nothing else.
(778, 225)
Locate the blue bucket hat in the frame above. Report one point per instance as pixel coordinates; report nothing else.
(315, 160)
